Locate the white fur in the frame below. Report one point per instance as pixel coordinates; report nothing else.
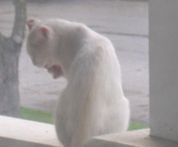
(93, 102)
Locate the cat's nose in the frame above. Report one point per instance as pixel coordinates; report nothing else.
(47, 66)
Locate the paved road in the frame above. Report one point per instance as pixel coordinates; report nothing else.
(124, 22)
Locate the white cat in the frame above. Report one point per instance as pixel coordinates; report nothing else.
(93, 102)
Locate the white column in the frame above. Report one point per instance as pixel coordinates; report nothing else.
(164, 68)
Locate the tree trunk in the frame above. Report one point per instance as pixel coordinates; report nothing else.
(9, 60)
(9, 93)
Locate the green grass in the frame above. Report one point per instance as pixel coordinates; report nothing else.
(136, 126)
(47, 117)
(36, 115)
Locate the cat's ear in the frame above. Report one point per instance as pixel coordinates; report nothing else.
(42, 34)
(31, 22)
(44, 31)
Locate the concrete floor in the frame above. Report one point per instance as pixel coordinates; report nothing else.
(124, 22)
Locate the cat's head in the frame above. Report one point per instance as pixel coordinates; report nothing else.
(40, 46)
(38, 42)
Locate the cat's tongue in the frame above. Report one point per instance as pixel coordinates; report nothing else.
(56, 71)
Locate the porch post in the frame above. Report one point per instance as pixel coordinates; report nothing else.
(164, 68)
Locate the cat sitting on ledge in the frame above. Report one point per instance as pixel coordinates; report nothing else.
(93, 102)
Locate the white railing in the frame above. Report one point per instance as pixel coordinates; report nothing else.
(23, 133)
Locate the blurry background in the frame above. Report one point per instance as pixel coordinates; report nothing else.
(124, 22)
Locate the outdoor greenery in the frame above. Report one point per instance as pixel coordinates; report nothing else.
(136, 126)
(47, 117)
(36, 115)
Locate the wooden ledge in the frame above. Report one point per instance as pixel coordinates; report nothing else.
(139, 138)
(23, 133)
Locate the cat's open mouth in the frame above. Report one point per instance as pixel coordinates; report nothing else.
(55, 70)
